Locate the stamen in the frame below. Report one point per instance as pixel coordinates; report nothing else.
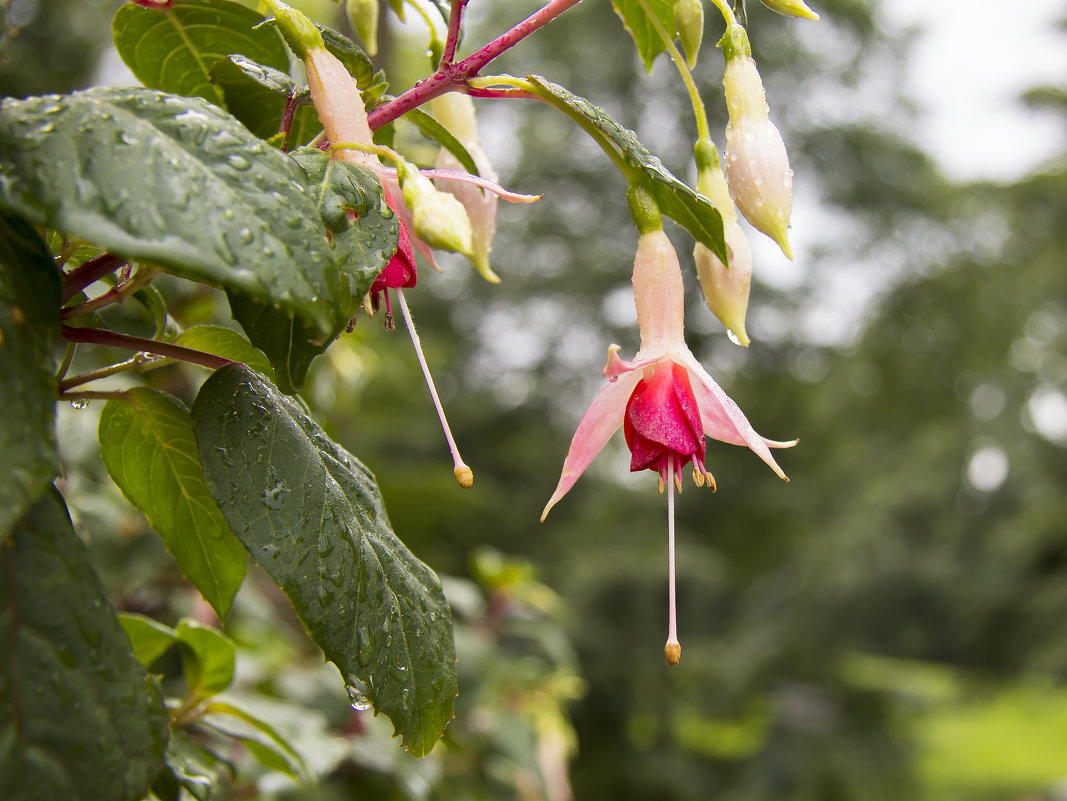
(673, 649)
(464, 475)
(711, 480)
(698, 477)
(678, 481)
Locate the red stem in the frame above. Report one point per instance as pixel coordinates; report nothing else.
(451, 76)
(455, 24)
(93, 270)
(99, 336)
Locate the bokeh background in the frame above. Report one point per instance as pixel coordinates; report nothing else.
(891, 624)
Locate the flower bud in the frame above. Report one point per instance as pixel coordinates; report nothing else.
(757, 166)
(437, 217)
(791, 8)
(689, 20)
(298, 31)
(456, 112)
(363, 15)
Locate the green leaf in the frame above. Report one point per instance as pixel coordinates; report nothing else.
(29, 331)
(262, 739)
(227, 343)
(432, 129)
(149, 450)
(174, 181)
(150, 638)
(208, 658)
(257, 94)
(80, 720)
(362, 247)
(685, 206)
(174, 48)
(192, 768)
(648, 42)
(310, 513)
(355, 60)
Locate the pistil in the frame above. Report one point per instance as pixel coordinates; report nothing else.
(673, 649)
(464, 475)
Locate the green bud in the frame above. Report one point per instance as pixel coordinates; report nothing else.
(363, 15)
(706, 155)
(791, 8)
(298, 31)
(689, 20)
(437, 217)
(643, 210)
(734, 43)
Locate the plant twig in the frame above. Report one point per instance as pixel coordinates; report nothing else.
(93, 270)
(99, 336)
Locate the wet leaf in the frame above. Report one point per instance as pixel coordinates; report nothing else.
(691, 210)
(361, 246)
(174, 48)
(149, 450)
(256, 95)
(174, 181)
(192, 768)
(310, 513)
(29, 331)
(637, 23)
(80, 720)
(262, 739)
(432, 129)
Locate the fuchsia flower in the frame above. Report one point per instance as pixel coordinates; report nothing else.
(664, 400)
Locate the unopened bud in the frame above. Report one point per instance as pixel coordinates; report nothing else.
(756, 163)
(726, 289)
(438, 218)
(791, 8)
(689, 20)
(298, 31)
(363, 15)
(455, 111)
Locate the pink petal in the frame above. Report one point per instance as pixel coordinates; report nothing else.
(723, 419)
(601, 420)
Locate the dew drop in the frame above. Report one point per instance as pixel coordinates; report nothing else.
(357, 695)
(79, 403)
(733, 337)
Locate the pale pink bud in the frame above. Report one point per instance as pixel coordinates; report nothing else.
(726, 290)
(757, 166)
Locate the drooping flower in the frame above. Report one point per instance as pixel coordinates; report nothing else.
(757, 165)
(664, 399)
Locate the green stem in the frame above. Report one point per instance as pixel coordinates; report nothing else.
(68, 357)
(93, 394)
(727, 12)
(127, 366)
(703, 131)
(377, 150)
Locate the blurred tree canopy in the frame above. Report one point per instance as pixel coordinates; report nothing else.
(891, 624)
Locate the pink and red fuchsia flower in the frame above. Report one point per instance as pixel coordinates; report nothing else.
(664, 400)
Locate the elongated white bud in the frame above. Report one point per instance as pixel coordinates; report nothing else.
(437, 217)
(689, 20)
(791, 8)
(757, 165)
(363, 15)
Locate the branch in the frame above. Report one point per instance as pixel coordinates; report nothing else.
(99, 336)
(450, 77)
(93, 270)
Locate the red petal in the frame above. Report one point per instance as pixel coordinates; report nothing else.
(662, 417)
(399, 273)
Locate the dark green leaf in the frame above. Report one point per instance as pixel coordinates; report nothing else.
(288, 343)
(432, 129)
(310, 513)
(80, 720)
(151, 300)
(227, 343)
(174, 48)
(29, 331)
(262, 739)
(149, 450)
(173, 181)
(691, 210)
(356, 61)
(647, 40)
(257, 95)
(362, 247)
(208, 658)
(150, 638)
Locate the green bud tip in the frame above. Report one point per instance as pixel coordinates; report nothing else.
(706, 155)
(298, 31)
(689, 20)
(734, 43)
(363, 16)
(643, 210)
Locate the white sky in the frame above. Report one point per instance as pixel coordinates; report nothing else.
(974, 58)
